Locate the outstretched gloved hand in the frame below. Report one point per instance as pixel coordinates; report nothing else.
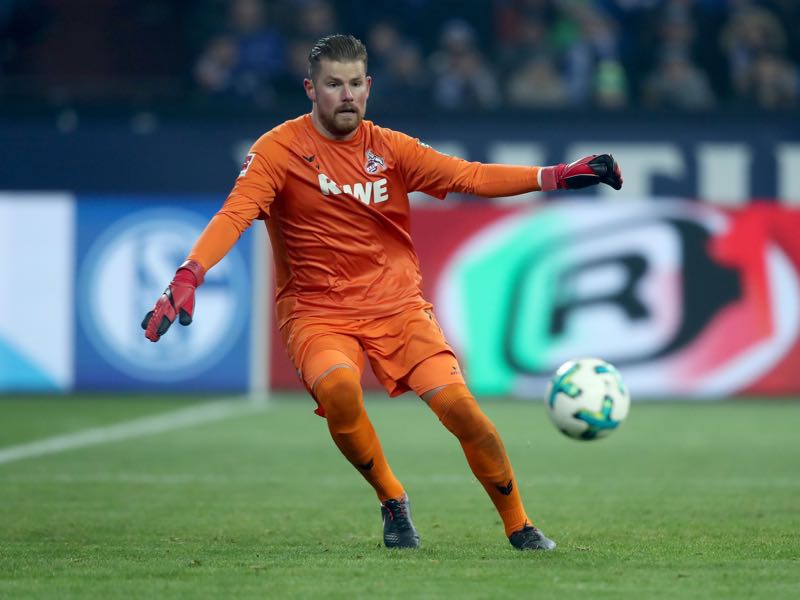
(176, 301)
(589, 170)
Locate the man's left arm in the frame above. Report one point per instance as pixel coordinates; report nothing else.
(493, 180)
(437, 174)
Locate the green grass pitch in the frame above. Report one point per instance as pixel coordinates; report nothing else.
(685, 501)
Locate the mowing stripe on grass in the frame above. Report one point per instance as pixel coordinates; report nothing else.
(187, 417)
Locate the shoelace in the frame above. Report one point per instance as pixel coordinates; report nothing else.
(396, 509)
(528, 527)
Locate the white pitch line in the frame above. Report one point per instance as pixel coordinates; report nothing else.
(187, 417)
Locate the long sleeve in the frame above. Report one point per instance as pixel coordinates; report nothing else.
(436, 174)
(492, 180)
(217, 239)
(259, 181)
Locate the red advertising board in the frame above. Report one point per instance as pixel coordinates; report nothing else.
(688, 300)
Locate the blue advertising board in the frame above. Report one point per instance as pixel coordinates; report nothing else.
(128, 248)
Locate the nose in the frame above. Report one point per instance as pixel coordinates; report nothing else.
(347, 94)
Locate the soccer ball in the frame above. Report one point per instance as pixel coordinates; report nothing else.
(586, 399)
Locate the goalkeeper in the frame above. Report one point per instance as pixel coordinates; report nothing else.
(333, 190)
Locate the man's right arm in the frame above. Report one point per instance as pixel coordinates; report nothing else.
(260, 179)
(224, 230)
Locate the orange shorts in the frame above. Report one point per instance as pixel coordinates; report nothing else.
(407, 351)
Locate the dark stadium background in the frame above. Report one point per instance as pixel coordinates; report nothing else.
(157, 84)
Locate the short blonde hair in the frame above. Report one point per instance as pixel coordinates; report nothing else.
(337, 47)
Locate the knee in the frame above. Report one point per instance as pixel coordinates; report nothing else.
(339, 393)
(469, 424)
(459, 412)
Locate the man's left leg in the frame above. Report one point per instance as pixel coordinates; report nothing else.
(459, 412)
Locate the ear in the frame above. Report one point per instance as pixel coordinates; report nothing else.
(308, 85)
(369, 84)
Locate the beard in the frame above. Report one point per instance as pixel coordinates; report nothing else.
(341, 123)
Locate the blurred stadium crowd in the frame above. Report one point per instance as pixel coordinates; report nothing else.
(471, 56)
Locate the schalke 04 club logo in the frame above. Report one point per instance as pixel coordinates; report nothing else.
(126, 270)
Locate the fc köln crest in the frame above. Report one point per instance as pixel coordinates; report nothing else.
(374, 163)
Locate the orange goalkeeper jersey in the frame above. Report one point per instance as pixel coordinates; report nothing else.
(338, 215)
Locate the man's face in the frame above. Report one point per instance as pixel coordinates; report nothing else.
(339, 93)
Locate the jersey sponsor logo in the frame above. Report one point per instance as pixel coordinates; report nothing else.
(374, 163)
(368, 192)
(248, 160)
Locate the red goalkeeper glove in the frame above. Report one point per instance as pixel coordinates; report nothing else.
(176, 301)
(589, 170)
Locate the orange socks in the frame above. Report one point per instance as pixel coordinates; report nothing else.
(339, 393)
(460, 413)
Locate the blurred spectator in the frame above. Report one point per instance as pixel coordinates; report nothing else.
(297, 63)
(788, 13)
(590, 39)
(771, 82)
(315, 19)
(404, 82)
(610, 85)
(676, 33)
(463, 78)
(530, 39)
(677, 28)
(246, 60)
(383, 40)
(673, 79)
(512, 17)
(537, 84)
(677, 83)
(528, 59)
(750, 31)
(309, 21)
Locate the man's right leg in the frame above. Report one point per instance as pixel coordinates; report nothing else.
(338, 392)
(329, 359)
